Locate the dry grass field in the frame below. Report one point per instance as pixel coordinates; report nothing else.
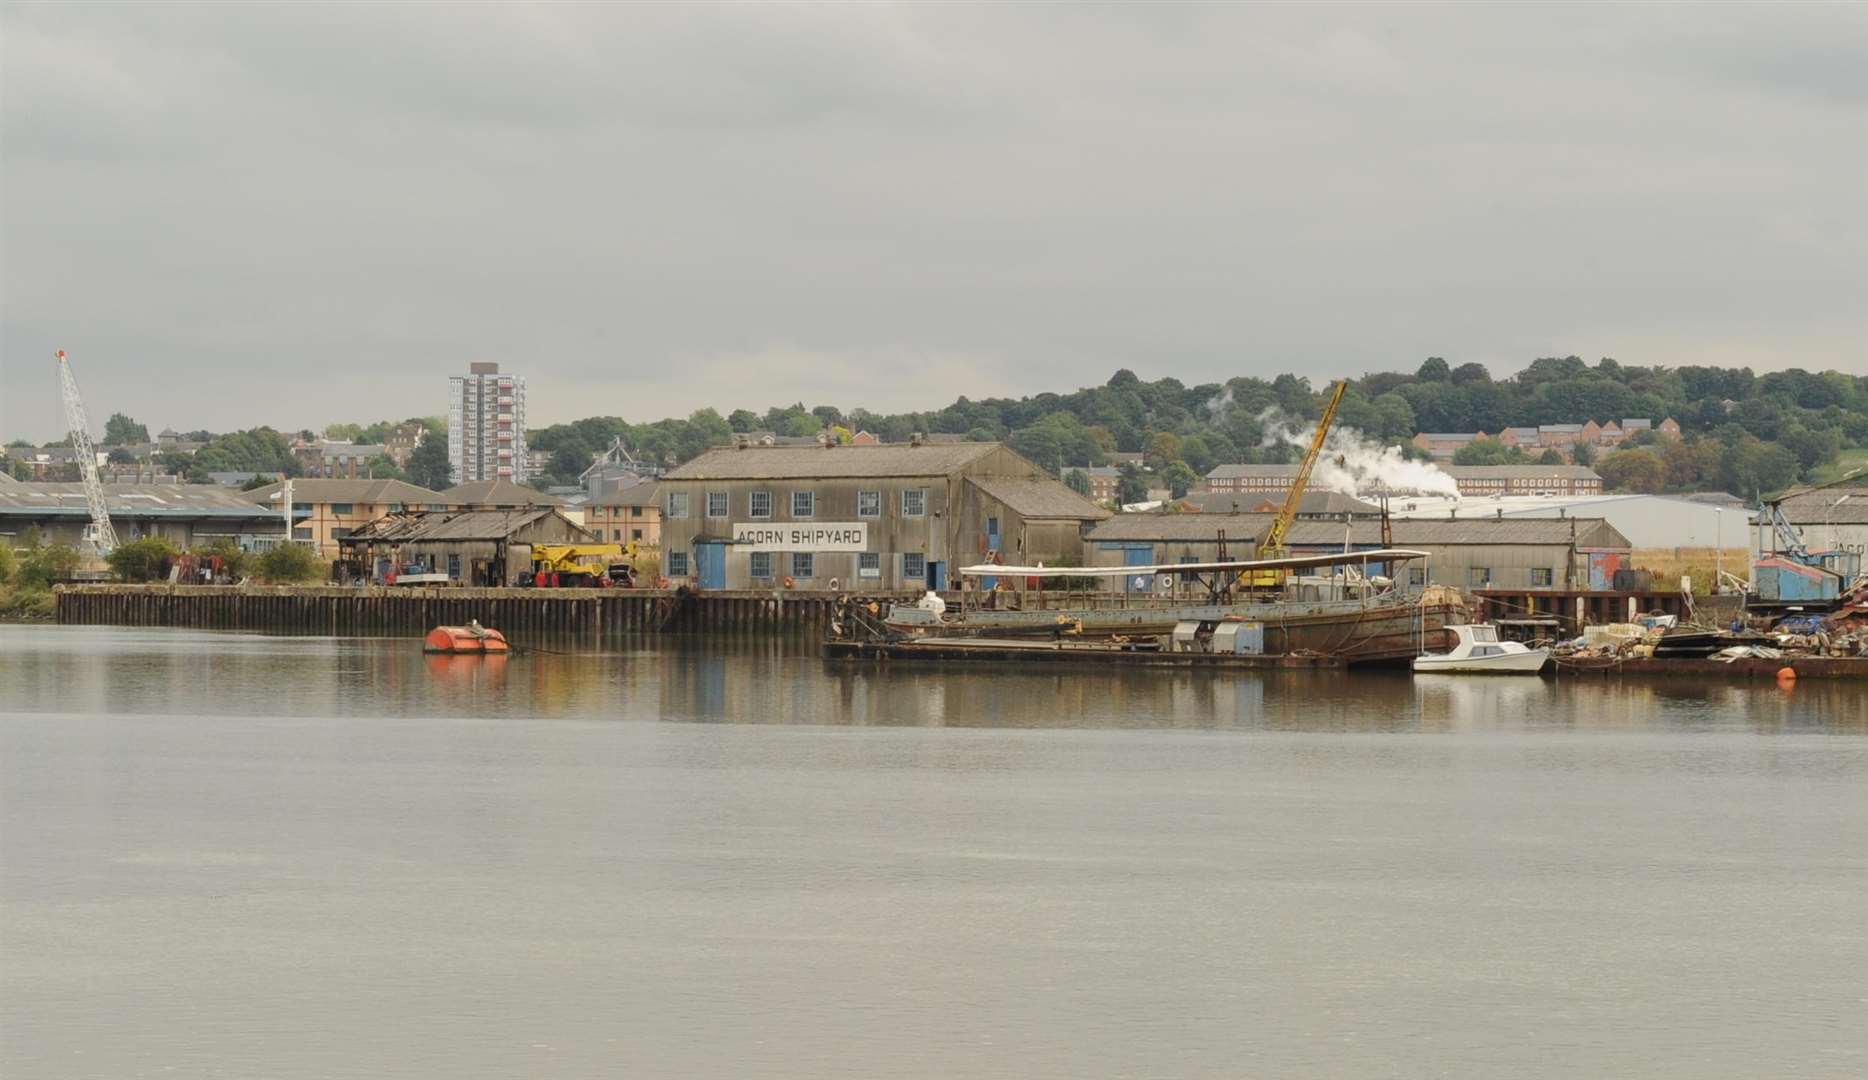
(1668, 564)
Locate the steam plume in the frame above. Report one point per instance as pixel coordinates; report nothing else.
(1354, 464)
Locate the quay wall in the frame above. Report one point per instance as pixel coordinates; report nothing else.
(587, 615)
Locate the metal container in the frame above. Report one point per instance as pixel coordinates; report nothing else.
(1239, 638)
(1187, 637)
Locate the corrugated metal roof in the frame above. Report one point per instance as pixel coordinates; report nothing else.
(1844, 504)
(818, 463)
(1248, 502)
(130, 500)
(433, 526)
(497, 493)
(1182, 527)
(1038, 497)
(373, 492)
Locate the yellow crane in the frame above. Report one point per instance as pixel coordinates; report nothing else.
(1272, 546)
(582, 564)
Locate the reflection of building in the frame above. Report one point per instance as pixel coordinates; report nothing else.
(878, 517)
(486, 425)
(326, 511)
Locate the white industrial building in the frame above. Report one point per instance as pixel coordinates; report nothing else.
(1648, 521)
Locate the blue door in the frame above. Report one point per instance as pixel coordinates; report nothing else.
(712, 565)
(937, 576)
(1139, 555)
(992, 548)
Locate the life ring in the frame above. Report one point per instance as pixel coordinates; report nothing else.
(789, 584)
(833, 584)
(661, 583)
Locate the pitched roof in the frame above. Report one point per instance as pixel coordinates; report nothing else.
(1240, 472)
(818, 463)
(130, 500)
(1520, 472)
(1842, 504)
(1039, 497)
(430, 526)
(646, 494)
(497, 492)
(371, 492)
(1429, 532)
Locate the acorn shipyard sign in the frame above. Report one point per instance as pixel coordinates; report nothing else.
(801, 536)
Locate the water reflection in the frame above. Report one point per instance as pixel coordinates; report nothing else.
(748, 682)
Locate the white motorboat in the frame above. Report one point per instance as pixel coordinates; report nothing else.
(1477, 651)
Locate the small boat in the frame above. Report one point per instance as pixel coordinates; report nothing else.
(1477, 651)
(471, 639)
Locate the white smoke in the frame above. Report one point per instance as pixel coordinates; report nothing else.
(1217, 404)
(1355, 464)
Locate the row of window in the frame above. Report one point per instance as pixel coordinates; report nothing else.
(914, 503)
(803, 564)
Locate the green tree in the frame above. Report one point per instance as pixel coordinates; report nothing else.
(1180, 478)
(120, 429)
(1583, 454)
(742, 420)
(238, 563)
(1132, 485)
(429, 466)
(1633, 470)
(1487, 452)
(1163, 447)
(1552, 456)
(801, 424)
(9, 563)
(288, 564)
(141, 560)
(42, 564)
(1075, 479)
(1433, 369)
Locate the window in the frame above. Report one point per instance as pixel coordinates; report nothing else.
(1417, 575)
(395, 508)
(343, 508)
(869, 504)
(301, 533)
(803, 564)
(803, 503)
(716, 504)
(677, 564)
(339, 534)
(759, 504)
(1479, 577)
(301, 508)
(762, 566)
(914, 502)
(869, 564)
(914, 566)
(454, 567)
(992, 526)
(616, 534)
(1541, 577)
(635, 534)
(677, 504)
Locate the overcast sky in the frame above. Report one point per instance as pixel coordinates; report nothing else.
(302, 214)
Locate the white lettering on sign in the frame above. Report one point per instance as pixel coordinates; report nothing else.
(801, 536)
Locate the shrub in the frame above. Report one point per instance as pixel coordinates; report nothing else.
(290, 563)
(239, 563)
(44, 564)
(8, 564)
(141, 560)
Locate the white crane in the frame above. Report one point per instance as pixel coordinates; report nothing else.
(99, 536)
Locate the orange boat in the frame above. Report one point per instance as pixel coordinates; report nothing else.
(465, 639)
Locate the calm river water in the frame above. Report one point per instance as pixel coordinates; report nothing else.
(237, 856)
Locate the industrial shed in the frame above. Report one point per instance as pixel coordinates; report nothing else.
(472, 547)
(188, 515)
(890, 517)
(1518, 554)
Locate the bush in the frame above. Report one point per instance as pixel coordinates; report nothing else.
(42, 564)
(239, 563)
(8, 564)
(142, 560)
(25, 602)
(291, 563)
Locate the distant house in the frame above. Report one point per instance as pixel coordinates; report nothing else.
(630, 515)
(336, 460)
(1470, 479)
(1563, 438)
(325, 511)
(1105, 482)
(403, 440)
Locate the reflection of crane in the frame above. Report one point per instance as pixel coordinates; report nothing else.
(1273, 546)
(99, 536)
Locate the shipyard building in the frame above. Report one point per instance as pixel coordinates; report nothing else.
(885, 518)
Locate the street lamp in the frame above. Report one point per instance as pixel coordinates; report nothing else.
(1829, 517)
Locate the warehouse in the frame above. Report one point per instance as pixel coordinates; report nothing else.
(472, 547)
(891, 517)
(1826, 519)
(1517, 554)
(187, 515)
(1648, 521)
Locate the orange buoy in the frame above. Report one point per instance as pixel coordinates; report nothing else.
(464, 639)
(1786, 676)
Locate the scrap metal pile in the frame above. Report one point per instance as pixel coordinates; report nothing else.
(1660, 637)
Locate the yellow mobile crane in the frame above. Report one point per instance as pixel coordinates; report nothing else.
(583, 565)
(1272, 547)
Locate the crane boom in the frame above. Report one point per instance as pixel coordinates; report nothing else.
(99, 536)
(1272, 547)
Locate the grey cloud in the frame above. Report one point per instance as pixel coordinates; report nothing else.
(318, 211)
